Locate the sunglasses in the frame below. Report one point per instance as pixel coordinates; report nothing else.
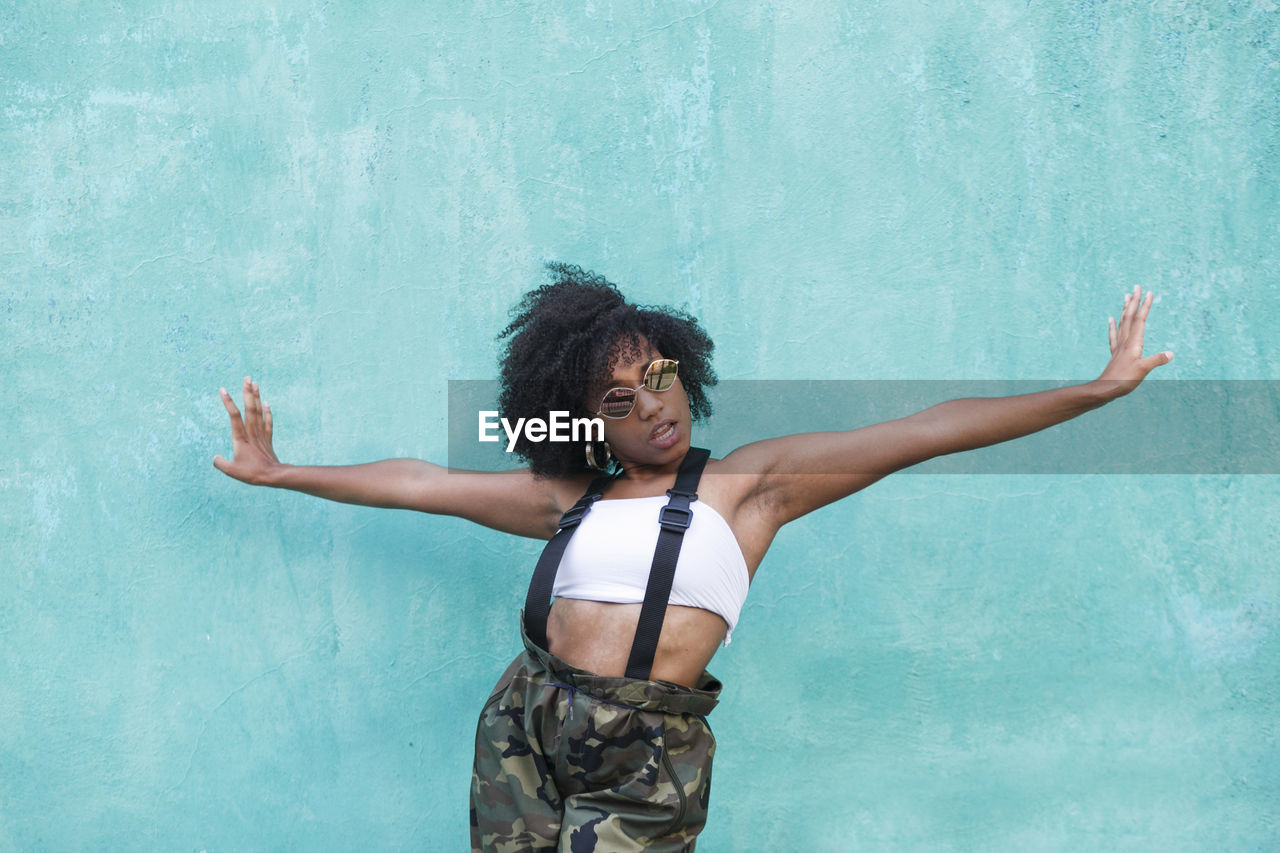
(658, 376)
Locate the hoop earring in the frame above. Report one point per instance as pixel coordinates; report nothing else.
(591, 457)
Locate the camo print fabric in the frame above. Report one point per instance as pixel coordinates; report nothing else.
(574, 762)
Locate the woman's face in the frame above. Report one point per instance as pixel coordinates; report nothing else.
(656, 432)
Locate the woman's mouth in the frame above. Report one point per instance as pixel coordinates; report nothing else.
(665, 435)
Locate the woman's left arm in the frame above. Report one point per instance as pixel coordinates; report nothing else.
(788, 487)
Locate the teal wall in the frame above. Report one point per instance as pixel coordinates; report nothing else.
(343, 201)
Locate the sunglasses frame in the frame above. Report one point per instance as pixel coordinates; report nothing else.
(643, 384)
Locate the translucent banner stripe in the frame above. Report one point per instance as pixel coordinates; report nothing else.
(1163, 427)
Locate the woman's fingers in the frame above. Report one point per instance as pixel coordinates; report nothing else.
(1138, 322)
(253, 422)
(237, 425)
(251, 452)
(1133, 317)
(258, 419)
(1127, 366)
(228, 404)
(1144, 311)
(252, 412)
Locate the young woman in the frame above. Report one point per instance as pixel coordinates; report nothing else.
(596, 736)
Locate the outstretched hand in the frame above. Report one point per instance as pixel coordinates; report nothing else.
(252, 457)
(1127, 367)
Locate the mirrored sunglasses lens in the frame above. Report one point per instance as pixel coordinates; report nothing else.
(660, 375)
(617, 403)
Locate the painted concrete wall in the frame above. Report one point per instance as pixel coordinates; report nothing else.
(343, 199)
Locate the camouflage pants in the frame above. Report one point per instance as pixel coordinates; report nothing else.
(570, 761)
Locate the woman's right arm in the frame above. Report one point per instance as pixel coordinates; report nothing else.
(512, 501)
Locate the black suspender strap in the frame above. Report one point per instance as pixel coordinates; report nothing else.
(674, 518)
(537, 604)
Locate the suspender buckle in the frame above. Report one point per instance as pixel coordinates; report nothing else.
(574, 514)
(674, 518)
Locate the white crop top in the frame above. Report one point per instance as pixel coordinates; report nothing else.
(609, 557)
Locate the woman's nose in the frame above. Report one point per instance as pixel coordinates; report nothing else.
(647, 403)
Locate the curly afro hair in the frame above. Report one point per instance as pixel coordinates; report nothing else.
(566, 339)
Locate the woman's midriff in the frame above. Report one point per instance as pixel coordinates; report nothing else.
(596, 636)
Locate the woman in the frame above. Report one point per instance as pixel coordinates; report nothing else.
(596, 735)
